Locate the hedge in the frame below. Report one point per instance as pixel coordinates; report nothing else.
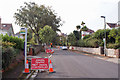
(18, 42)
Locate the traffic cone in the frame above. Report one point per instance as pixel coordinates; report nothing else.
(50, 67)
(27, 67)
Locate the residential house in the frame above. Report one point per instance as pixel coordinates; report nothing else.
(113, 25)
(88, 32)
(6, 28)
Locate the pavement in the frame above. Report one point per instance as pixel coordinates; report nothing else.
(106, 58)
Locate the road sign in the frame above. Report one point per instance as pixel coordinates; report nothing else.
(22, 31)
(39, 63)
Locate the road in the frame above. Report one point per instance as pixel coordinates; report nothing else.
(68, 64)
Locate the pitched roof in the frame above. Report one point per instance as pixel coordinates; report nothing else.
(89, 30)
(112, 25)
(6, 26)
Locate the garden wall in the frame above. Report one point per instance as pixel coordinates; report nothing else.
(99, 51)
(88, 50)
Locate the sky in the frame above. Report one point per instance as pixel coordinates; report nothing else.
(72, 12)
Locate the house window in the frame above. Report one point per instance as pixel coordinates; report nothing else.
(4, 25)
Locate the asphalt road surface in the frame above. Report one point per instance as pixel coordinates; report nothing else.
(68, 64)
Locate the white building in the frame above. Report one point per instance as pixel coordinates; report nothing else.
(88, 32)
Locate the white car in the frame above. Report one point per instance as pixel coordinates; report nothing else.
(64, 48)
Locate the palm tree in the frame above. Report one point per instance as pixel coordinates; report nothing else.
(78, 27)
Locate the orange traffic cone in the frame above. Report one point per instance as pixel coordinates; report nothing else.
(27, 67)
(50, 67)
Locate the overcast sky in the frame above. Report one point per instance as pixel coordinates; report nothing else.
(73, 12)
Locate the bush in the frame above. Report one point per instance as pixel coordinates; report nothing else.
(94, 43)
(114, 46)
(7, 44)
(81, 43)
(8, 54)
(13, 40)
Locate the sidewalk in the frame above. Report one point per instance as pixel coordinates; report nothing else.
(17, 72)
(14, 73)
(106, 58)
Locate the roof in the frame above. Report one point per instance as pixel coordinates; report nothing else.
(6, 26)
(112, 25)
(89, 30)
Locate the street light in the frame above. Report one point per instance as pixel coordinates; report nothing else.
(105, 35)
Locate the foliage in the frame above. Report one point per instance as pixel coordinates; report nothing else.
(56, 39)
(8, 54)
(35, 17)
(86, 37)
(78, 27)
(96, 39)
(46, 34)
(113, 45)
(82, 23)
(16, 42)
(7, 44)
(72, 39)
(77, 34)
(84, 28)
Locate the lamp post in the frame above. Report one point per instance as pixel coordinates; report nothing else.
(104, 35)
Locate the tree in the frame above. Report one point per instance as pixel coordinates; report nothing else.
(35, 17)
(78, 27)
(84, 28)
(82, 23)
(72, 39)
(77, 34)
(46, 34)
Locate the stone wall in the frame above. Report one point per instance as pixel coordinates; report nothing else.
(88, 50)
(113, 52)
(99, 51)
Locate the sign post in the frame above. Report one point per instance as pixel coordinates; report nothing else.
(24, 31)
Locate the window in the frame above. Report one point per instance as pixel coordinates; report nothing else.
(4, 25)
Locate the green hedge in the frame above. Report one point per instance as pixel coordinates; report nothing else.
(19, 43)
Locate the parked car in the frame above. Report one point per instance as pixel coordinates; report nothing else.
(64, 47)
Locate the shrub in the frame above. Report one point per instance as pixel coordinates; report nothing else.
(7, 44)
(114, 46)
(8, 54)
(81, 43)
(13, 40)
(94, 43)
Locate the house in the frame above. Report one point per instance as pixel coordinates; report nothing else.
(6, 28)
(88, 32)
(113, 25)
